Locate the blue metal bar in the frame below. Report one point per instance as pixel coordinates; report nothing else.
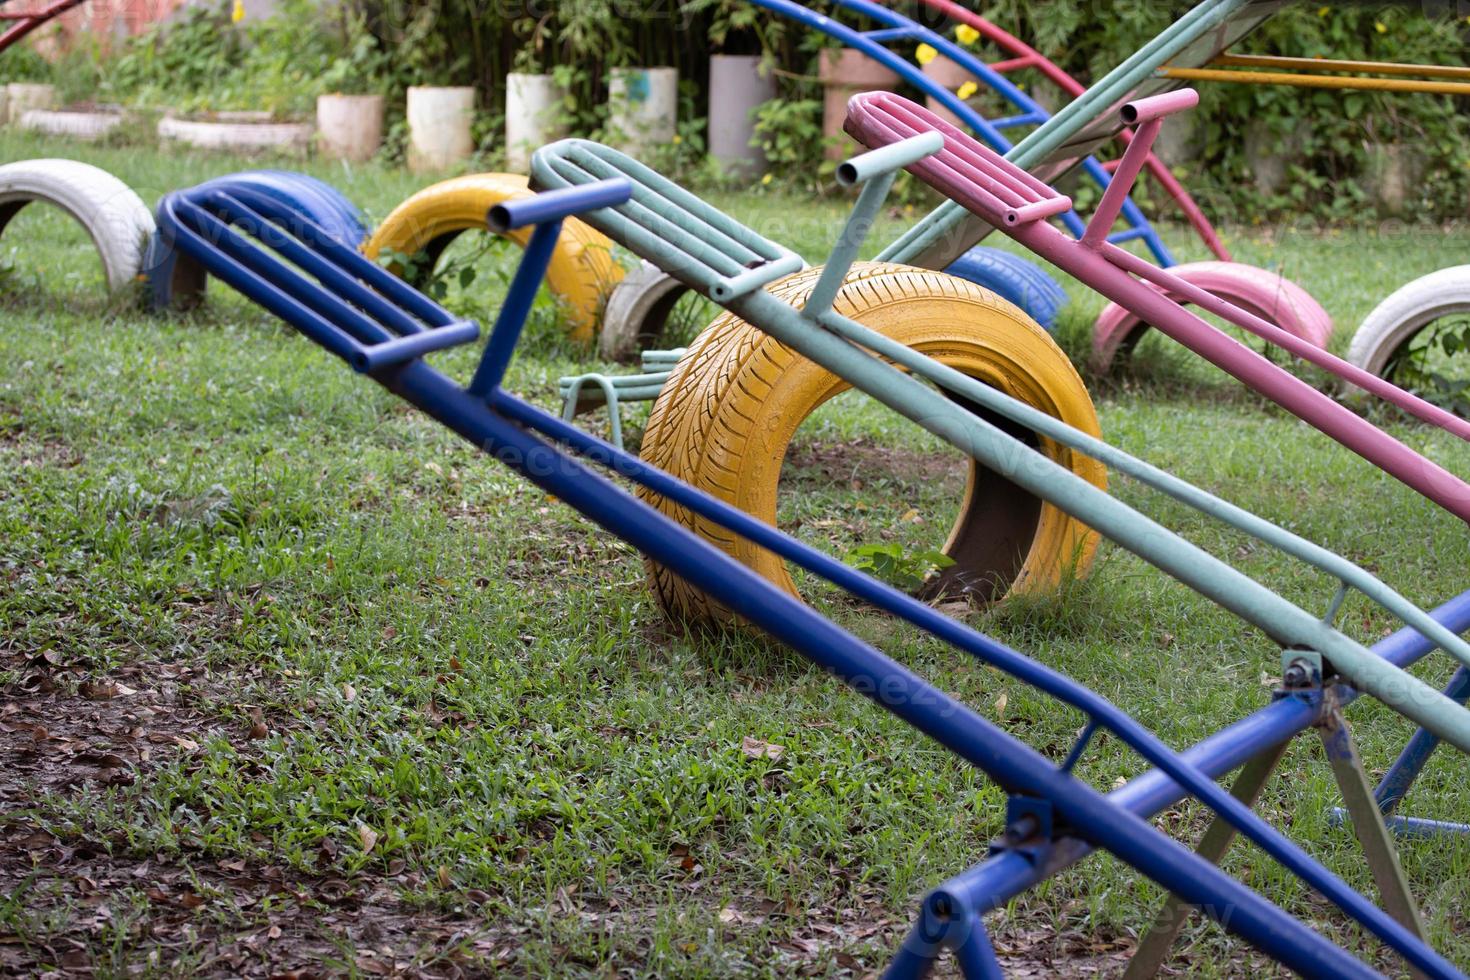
(1406, 768)
(1420, 827)
(1025, 119)
(1127, 235)
(517, 305)
(994, 882)
(978, 124)
(884, 35)
(1024, 668)
(396, 351)
(289, 243)
(557, 205)
(179, 215)
(354, 322)
(976, 955)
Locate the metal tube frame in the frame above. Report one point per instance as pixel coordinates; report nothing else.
(504, 426)
(871, 43)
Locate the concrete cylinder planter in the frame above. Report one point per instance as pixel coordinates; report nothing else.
(349, 127)
(951, 76)
(643, 107)
(21, 97)
(82, 124)
(237, 131)
(845, 72)
(533, 116)
(1393, 174)
(1271, 155)
(439, 127)
(737, 88)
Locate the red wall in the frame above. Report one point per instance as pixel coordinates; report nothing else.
(102, 20)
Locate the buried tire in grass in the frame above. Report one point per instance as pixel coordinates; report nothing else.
(1419, 338)
(725, 421)
(582, 271)
(117, 220)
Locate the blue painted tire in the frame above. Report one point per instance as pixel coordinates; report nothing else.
(1013, 278)
(176, 281)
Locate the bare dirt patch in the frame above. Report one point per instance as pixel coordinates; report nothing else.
(859, 460)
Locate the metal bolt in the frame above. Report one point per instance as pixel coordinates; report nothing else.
(1023, 829)
(1298, 674)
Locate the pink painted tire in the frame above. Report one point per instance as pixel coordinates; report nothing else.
(1268, 295)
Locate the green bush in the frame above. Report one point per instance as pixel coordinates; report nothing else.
(203, 62)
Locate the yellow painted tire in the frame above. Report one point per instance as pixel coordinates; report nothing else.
(582, 270)
(727, 415)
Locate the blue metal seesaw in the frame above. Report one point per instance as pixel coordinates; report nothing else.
(383, 328)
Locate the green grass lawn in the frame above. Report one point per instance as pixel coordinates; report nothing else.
(291, 677)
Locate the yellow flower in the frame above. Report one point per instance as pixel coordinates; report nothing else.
(968, 89)
(237, 13)
(925, 54)
(767, 179)
(966, 34)
(1380, 27)
(678, 139)
(1323, 11)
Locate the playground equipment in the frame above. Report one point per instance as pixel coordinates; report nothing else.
(22, 22)
(640, 305)
(582, 269)
(727, 413)
(117, 220)
(633, 308)
(1417, 336)
(631, 320)
(1005, 197)
(383, 327)
(177, 280)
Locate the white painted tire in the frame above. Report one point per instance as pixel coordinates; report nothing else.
(77, 125)
(637, 311)
(1396, 320)
(117, 219)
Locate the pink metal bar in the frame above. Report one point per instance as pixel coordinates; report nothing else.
(1158, 106)
(1122, 183)
(1039, 211)
(1289, 342)
(28, 21)
(1014, 64)
(877, 119)
(1156, 168)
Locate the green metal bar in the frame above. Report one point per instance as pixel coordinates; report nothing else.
(1153, 948)
(1286, 623)
(1367, 820)
(888, 159)
(845, 251)
(1053, 428)
(943, 230)
(569, 407)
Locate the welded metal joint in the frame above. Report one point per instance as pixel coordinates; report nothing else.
(1028, 819)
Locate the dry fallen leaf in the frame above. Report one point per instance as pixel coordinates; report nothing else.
(754, 748)
(444, 880)
(911, 516)
(1000, 706)
(349, 693)
(368, 837)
